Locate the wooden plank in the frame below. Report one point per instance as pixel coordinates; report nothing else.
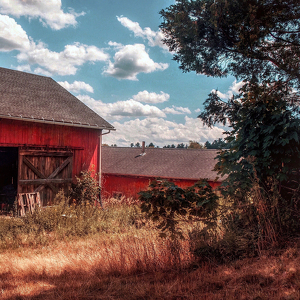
(21, 205)
(33, 168)
(27, 202)
(44, 181)
(32, 203)
(38, 199)
(41, 187)
(61, 167)
(38, 173)
(46, 153)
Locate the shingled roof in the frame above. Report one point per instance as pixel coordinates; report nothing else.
(37, 98)
(160, 162)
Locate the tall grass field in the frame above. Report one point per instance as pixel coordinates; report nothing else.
(82, 251)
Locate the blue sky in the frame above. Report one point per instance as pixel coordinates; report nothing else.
(109, 54)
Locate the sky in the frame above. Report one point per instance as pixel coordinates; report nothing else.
(110, 55)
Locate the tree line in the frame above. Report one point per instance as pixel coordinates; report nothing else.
(216, 144)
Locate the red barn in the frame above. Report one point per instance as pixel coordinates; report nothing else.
(47, 136)
(127, 171)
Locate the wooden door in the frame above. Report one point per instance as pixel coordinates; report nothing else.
(45, 172)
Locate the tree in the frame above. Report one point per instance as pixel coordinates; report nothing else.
(195, 145)
(151, 145)
(216, 144)
(257, 41)
(180, 146)
(218, 37)
(169, 146)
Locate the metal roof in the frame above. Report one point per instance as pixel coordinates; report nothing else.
(160, 162)
(30, 97)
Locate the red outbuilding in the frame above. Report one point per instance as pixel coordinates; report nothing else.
(47, 136)
(127, 171)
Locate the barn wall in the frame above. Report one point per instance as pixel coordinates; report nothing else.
(129, 186)
(84, 142)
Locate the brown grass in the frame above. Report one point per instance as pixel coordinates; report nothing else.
(141, 267)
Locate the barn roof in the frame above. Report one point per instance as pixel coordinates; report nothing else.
(160, 162)
(37, 98)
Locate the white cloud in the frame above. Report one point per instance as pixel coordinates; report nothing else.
(197, 110)
(76, 86)
(176, 110)
(147, 97)
(12, 35)
(121, 109)
(62, 63)
(161, 132)
(49, 12)
(66, 62)
(233, 89)
(115, 45)
(42, 71)
(24, 68)
(131, 60)
(154, 37)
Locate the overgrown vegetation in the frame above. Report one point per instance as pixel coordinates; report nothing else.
(166, 246)
(75, 215)
(257, 42)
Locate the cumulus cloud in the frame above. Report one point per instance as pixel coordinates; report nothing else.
(120, 109)
(176, 110)
(62, 63)
(154, 37)
(49, 12)
(147, 97)
(131, 60)
(76, 86)
(161, 132)
(233, 89)
(66, 62)
(12, 35)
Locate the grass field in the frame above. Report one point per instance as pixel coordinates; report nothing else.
(126, 259)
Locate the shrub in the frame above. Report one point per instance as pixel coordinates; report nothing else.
(86, 189)
(167, 204)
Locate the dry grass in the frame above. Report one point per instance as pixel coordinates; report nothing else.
(128, 260)
(141, 267)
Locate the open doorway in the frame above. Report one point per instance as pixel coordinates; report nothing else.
(8, 177)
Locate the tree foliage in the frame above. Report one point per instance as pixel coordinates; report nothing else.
(218, 37)
(257, 41)
(195, 145)
(216, 144)
(264, 139)
(166, 203)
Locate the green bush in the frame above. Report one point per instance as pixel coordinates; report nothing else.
(167, 204)
(86, 189)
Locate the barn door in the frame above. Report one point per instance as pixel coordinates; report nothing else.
(45, 172)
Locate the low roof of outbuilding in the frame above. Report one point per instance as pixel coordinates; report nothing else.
(36, 98)
(170, 163)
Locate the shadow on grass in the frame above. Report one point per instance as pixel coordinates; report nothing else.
(184, 284)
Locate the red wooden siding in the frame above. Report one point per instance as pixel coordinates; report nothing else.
(129, 186)
(84, 142)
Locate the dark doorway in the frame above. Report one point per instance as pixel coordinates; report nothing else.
(8, 177)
